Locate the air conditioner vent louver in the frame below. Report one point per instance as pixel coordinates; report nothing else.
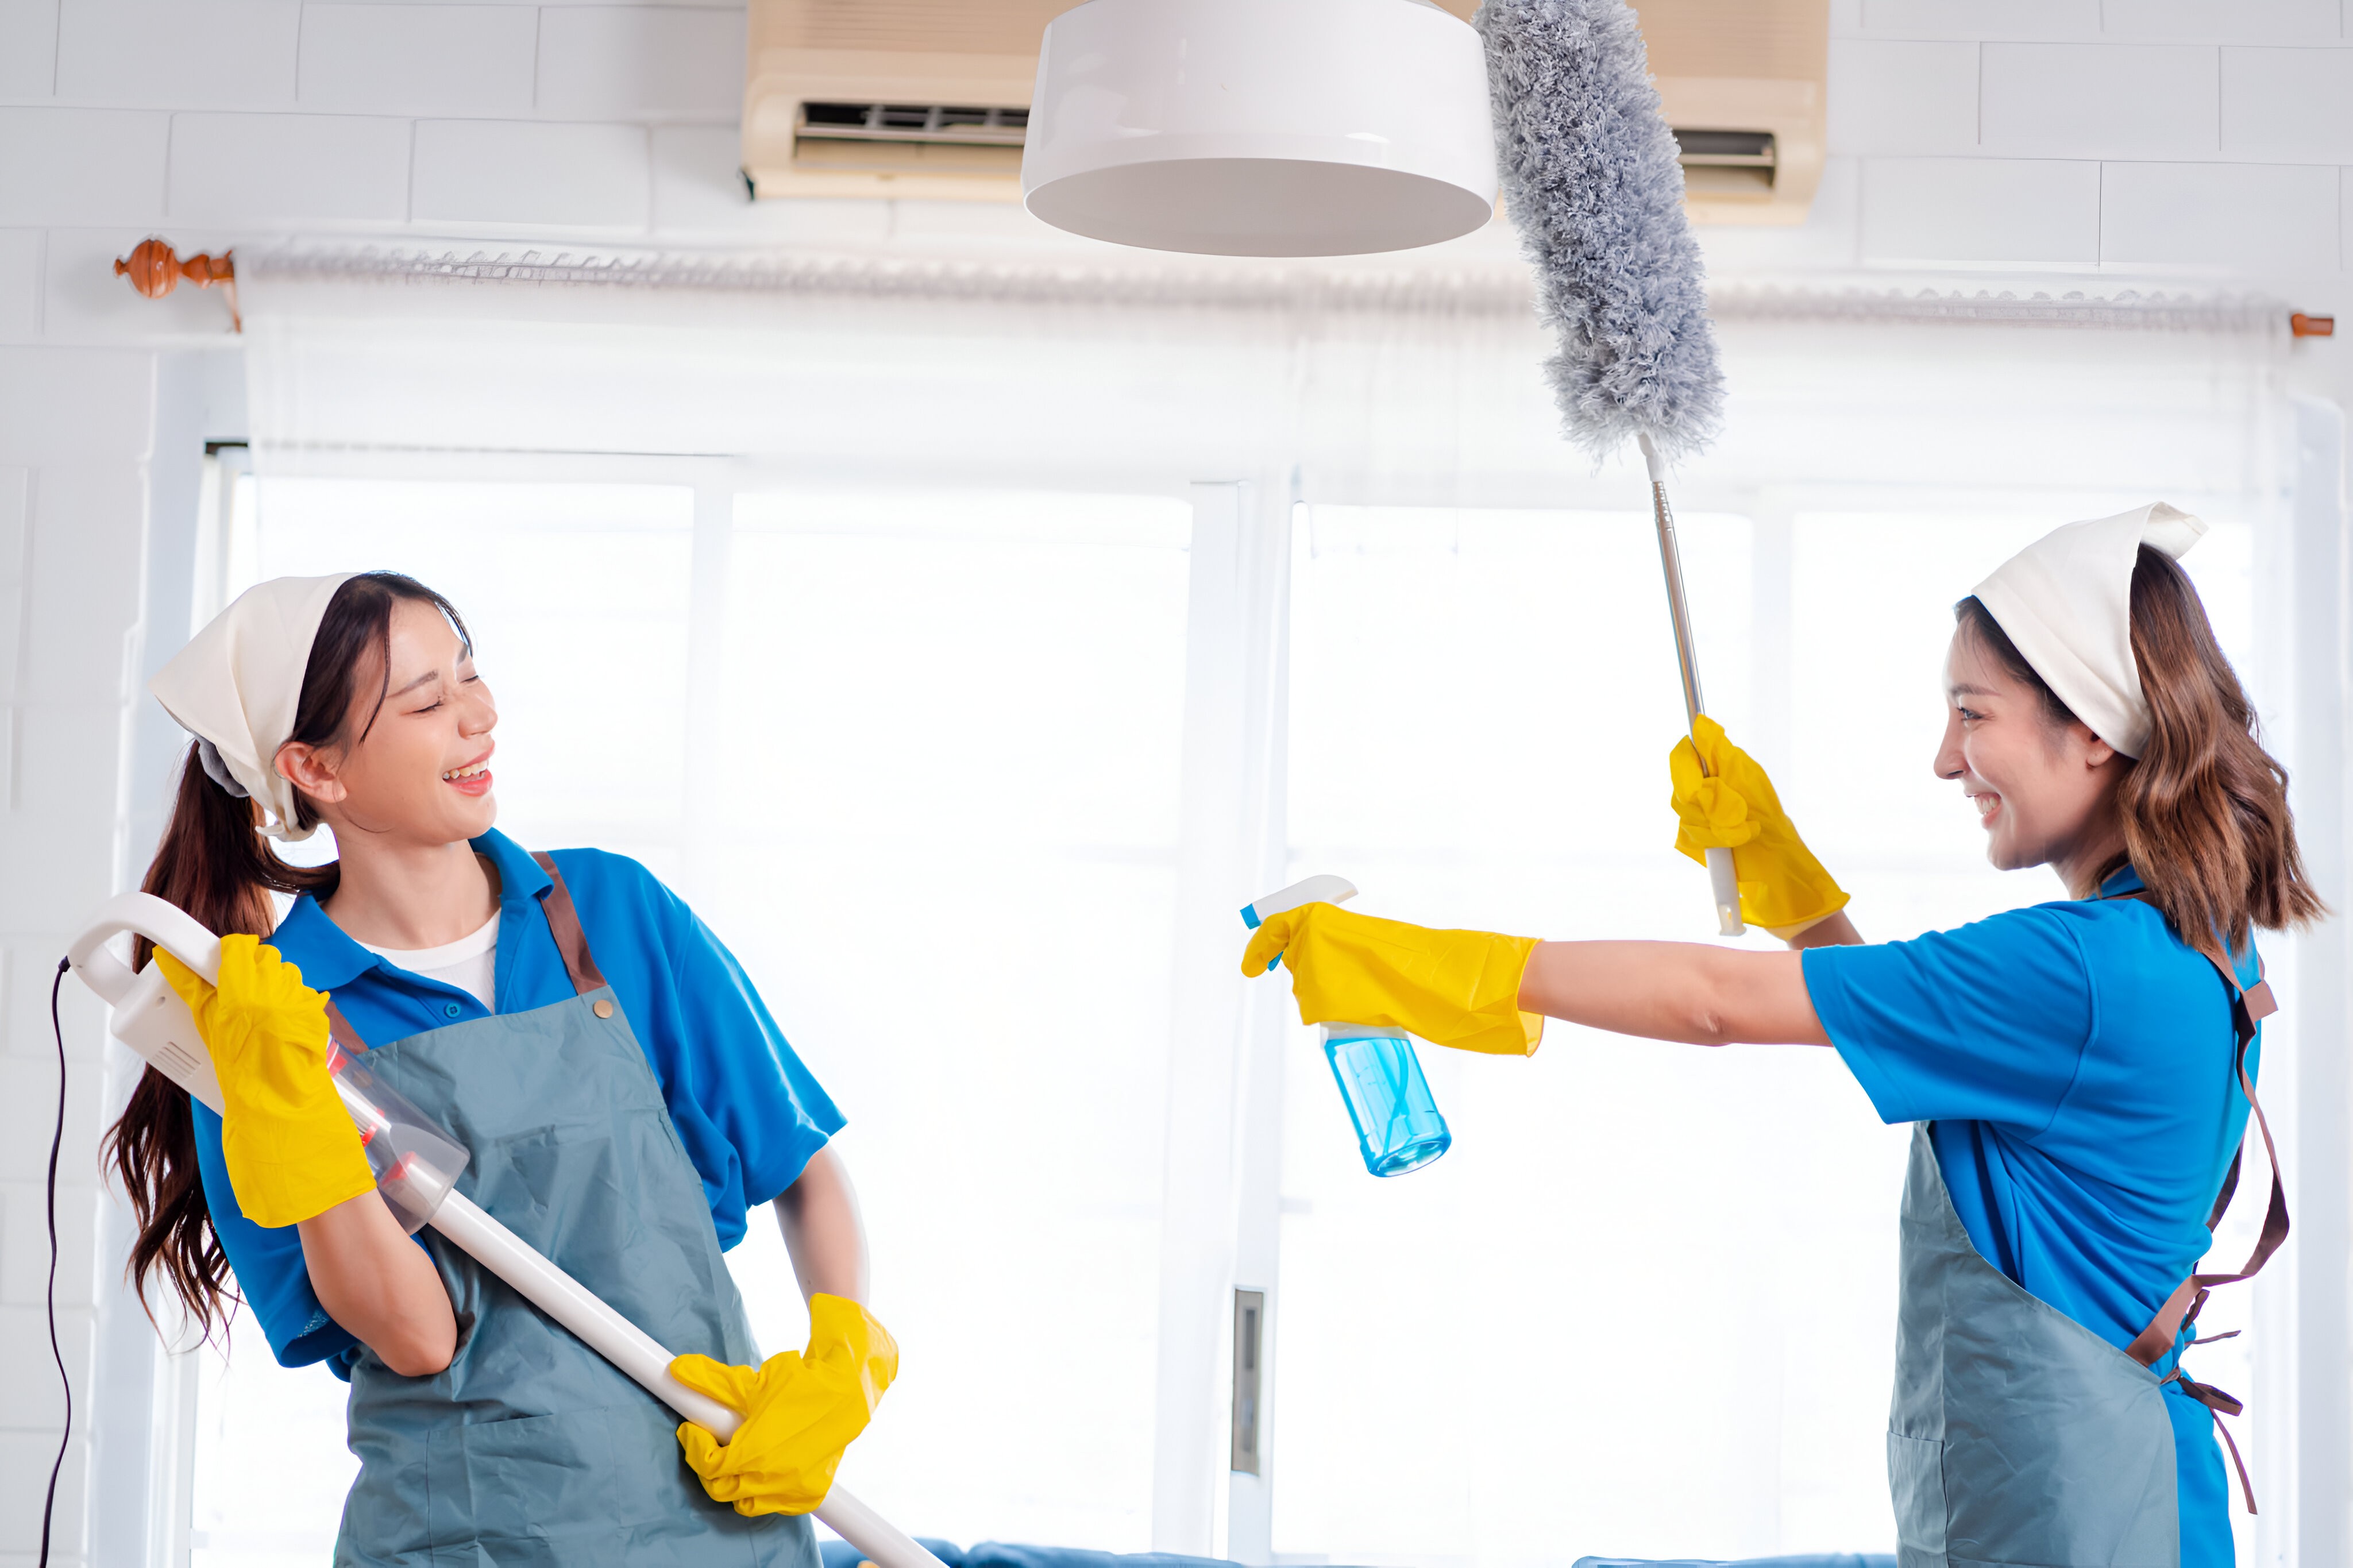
(1725, 149)
(1728, 164)
(913, 122)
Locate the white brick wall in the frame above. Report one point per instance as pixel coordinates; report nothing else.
(74, 433)
(1904, 96)
(643, 62)
(529, 174)
(226, 53)
(2292, 105)
(419, 60)
(28, 48)
(81, 166)
(276, 170)
(2222, 19)
(2029, 142)
(2097, 100)
(465, 122)
(2255, 218)
(1943, 211)
(20, 289)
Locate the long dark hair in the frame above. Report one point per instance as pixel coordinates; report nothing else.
(2204, 808)
(213, 864)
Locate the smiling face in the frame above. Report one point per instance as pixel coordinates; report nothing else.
(416, 769)
(2043, 789)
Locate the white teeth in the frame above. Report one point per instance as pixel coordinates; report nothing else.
(469, 771)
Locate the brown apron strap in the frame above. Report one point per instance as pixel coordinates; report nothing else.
(341, 1037)
(2248, 1006)
(2219, 1404)
(563, 921)
(2230, 1187)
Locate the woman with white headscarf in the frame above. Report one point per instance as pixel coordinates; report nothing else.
(2079, 1073)
(624, 1095)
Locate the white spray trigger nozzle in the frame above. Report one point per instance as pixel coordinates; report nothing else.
(1320, 889)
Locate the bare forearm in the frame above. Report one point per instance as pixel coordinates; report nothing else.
(1673, 991)
(380, 1285)
(818, 1215)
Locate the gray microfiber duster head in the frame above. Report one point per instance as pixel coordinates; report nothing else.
(1589, 174)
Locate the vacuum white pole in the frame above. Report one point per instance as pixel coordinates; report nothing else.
(636, 1353)
(1723, 881)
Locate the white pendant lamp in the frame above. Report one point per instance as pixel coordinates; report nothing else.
(1261, 127)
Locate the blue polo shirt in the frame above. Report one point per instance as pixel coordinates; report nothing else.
(2075, 1060)
(749, 1114)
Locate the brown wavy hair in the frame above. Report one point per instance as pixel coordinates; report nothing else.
(213, 864)
(2204, 807)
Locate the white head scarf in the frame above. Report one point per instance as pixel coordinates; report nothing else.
(2066, 601)
(237, 684)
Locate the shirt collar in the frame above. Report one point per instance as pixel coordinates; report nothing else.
(328, 958)
(519, 876)
(2122, 881)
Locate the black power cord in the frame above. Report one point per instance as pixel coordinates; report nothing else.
(57, 1141)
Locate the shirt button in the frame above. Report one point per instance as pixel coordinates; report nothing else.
(602, 1008)
(451, 1009)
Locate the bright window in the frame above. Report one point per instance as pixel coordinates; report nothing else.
(940, 825)
(949, 773)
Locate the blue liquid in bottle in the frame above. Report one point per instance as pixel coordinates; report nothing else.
(1399, 1127)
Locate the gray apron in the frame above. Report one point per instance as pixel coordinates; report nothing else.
(2017, 1435)
(530, 1450)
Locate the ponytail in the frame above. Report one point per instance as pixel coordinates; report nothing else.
(2204, 807)
(215, 866)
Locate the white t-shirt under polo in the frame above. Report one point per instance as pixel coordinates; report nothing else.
(470, 962)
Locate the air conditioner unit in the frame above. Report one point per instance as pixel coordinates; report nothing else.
(1744, 84)
(891, 98)
(929, 98)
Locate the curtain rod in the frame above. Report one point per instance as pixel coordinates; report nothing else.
(1485, 292)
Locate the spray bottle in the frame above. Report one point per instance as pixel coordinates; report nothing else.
(1399, 1127)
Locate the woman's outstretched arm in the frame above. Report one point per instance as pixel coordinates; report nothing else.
(1690, 992)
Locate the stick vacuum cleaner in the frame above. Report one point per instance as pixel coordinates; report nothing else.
(416, 1167)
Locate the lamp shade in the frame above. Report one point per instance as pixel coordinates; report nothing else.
(1261, 127)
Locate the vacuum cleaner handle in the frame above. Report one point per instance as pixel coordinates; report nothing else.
(140, 915)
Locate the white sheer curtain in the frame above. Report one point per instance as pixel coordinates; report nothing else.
(910, 549)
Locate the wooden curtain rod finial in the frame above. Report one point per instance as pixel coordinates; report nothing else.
(2300, 325)
(154, 270)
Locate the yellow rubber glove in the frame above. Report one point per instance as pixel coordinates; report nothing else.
(800, 1411)
(291, 1149)
(1458, 988)
(1733, 806)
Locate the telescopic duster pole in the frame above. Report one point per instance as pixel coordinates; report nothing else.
(1593, 178)
(1722, 878)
